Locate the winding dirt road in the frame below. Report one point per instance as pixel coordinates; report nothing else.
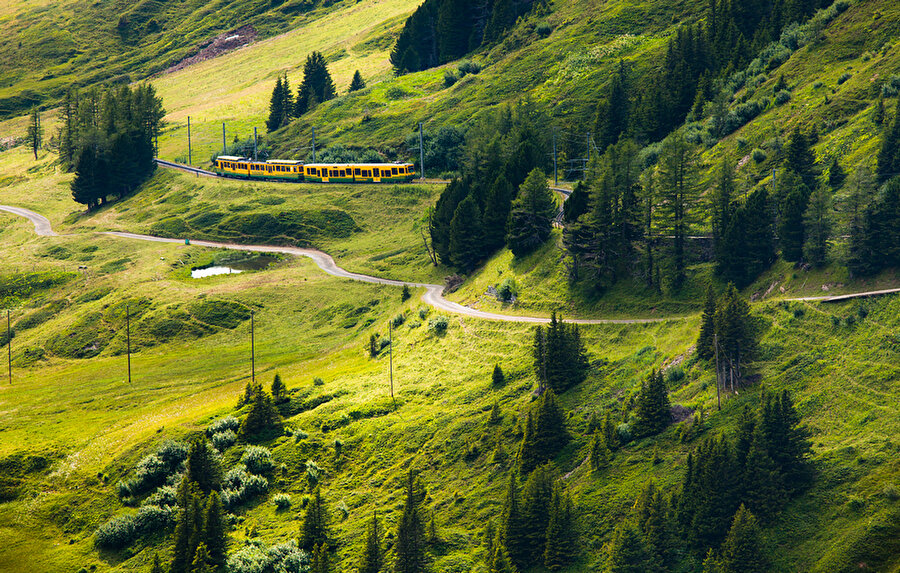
(433, 293)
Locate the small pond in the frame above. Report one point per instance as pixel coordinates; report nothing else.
(233, 263)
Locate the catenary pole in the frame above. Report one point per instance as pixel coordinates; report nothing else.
(224, 145)
(8, 347)
(254, 144)
(391, 359)
(314, 143)
(189, 140)
(252, 349)
(128, 339)
(555, 172)
(421, 151)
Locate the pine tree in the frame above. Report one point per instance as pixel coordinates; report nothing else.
(791, 232)
(495, 416)
(315, 524)
(653, 408)
(497, 378)
(799, 157)
(652, 522)
(599, 452)
(201, 562)
(409, 548)
(317, 85)
(466, 235)
(721, 205)
(496, 212)
(537, 495)
(627, 552)
(276, 106)
(762, 483)
(203, 467)
(677, 172)
(214, 537)
(279, 390)
(35, 132)
(512, 526)
(357, 83)
(743, 550)
(88, 186)
(261, 417)
(531, 216)
(817, 227)
(442, 215)
(889, 153)
(836, 174)
(545, 433)
(612, 114)
(559, 548)
(185, 527)
(706, 339)
(372, 558)
(320, 561)
(736, 334)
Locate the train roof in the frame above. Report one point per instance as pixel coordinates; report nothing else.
(231, 158)
(358, 164)
(285, 161)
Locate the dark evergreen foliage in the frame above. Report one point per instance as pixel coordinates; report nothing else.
(800, 159)
(317, 85)
(577, 203)
(627, 552)
(497, 378)
(512, 526)
(466, 236)
(791, 232)
(743, 551)
(372, 558)
(706, 340)
(889, 153)
(262, 415)
(357, 83)
(737, 335)
(315, 524)
(747, 246)
(559, 547)
(213, 535)
(560, 360)
(279, 390)
(545, 433)
(652, 408)
(203, 467)
(409, 548)
(531, 215)
(281, 105)
(875, 238)
(35, 134)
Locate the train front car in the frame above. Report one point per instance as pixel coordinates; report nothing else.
(231, 166)
(283, 170)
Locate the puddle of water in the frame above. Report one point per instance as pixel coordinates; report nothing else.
(213, 271)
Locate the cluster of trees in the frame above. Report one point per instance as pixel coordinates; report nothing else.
(262, 417)
(728, 485)
(200, 540)
(107, 138)
(545, 433)
(727, 334)
(315, 88)
(537, 526)
(440, 31)
(560, 360)
(501, 198)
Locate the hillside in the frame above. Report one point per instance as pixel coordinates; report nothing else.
(361, 410)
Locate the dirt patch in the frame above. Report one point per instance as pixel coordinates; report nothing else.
(221, 44)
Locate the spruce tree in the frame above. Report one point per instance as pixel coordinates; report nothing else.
(736, 333)
(276, 106)
(279, 390)
(35, 132)
(185, 527)
(372, 558)
(889, 153)
(612, 114)
(743, 550)
(214, 537)
(762, 483)
(537, 495)
(320, 561)
(817, 227)
(357, 83)
(653, 410)
(466, 235)
(496, 212)
(261, 417)
(651, 513)
(677, 189)
(559, 548)
(706, 339)
(201, 562)
(799, 157)
(317, 85)
(721, 205)
(791, 231)
(599, 452)
(545, 433)
(409, 549)
(512, 526)
(315, 523)
(203, 466)
(627, 552)
(836, 174)
(531, 216)
(497, 378)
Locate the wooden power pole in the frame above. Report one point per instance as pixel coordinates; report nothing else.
(8, 347)
(252, 349)
(128, 339)
(391, 359)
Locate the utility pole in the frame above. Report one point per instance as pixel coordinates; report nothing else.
(314, 143)
(128, 339)
(189, 140)
(252, 350)
(718, 396)
(421, 151)
(8, 347)
(224, 145)
(254, 144)
(391, 357)
(555, 172)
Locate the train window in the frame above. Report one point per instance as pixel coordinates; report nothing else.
(343, 173)
(393, 170)
(357, 171)
(375, 172)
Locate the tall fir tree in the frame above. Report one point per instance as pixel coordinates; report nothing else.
(627, 552)
(800, 158)
(35, 132)
(598, 451)
(889, 152)
(545, 433)
(496, 212)
(791, 232)
(613, 111)
(357, 83)
(677, 174)
(214, 536)
(372, 558)
(817, 227)
(743, 550)
(537, 495)
(512, 525)
(721, 207)
(706, 339)
(531, 216)
(559, 548)
(409, 548)
(203, 467)
(317, 86)
(276, 106)
(466, 235)
(652, 408)
(315, 523)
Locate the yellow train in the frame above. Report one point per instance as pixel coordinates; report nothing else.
(290, 170)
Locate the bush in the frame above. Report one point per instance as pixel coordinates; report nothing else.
(507, 290)
(450, 78)
(257, 459)
(312, 472)
(623, 430)
(398, 320)
(153, 470)
(226, 423)
(224, 440)
(300, 435)
(758, 155)
(844, 77)
(164, 496)
(674, 375)
(468, 67)
(423, 312)
(122, 530)
(318, 381)
(543, 29)
(782, 97)
(817, 85)
(438, 324)
(282, 501)
(254, 557)
(240, 486)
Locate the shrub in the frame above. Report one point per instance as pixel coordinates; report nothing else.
(543, 29)
(891, 87)
(240, 486)
(758, 155)
(318, 381)
(254, 557)
(153, 470)
(343, 509)
(468, 67)
(338, 446)
(438, 324)
(782, 97)
(741, 142)
(312, 472)
(423, 312)
(257, 459)
(300, 435)
(844, 77)
(398, 320)
(674, 375)
(224, 440)
(122, 530)
(282, 501)
(450, 78)
(507, 290)
(623, 430)
(164, 496)
(817, 85)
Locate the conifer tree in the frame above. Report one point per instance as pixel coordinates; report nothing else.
(262, 415)
(545, 433)
(442, 215)
(736, 334)
(653, 408)
(35, 132)
(627, 552)
(320, 561)
(276, 106)
(652, 523)
(721, 204)
(787, 440)
(372, 558)
(500, 562)
(799, 157)
(677, 173)
(706, 339)
(559, 548)
(203, 466)
(889, 153)
(317, 85)
(743, 550)
(817, 227)
(214, 537)
(497, 378)
(496, 212)
(599, 452)
(186, 525)
(466, 235)
(357, 83)
(279, 390)
(836, 174)
(201, 562)
(791, 231)
(409, 549)
(512, 528)
(495, 416)
(763, 487)
(612, 114)
(315, 524)
(531, 215)
(537, 495)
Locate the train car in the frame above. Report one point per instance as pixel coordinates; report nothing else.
(245, 168)
(359, 172)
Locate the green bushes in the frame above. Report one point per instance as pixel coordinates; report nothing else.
(257, 459)
(240, 486)
(224, 440)
(153, 470)
(282, 501)
(119, 532)
(438, 324)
